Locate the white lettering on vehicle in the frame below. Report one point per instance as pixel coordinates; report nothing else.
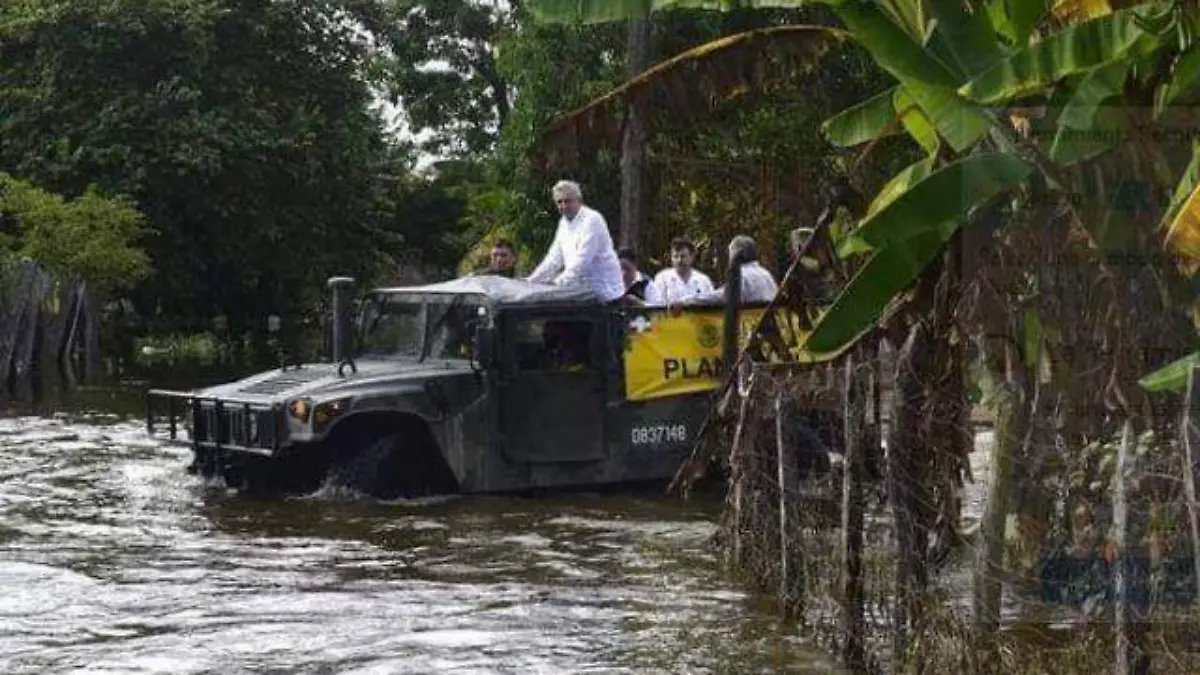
(658, 434)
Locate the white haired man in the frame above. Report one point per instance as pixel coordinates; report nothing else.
(758, 286)
(582, 251)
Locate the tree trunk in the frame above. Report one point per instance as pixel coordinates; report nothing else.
(633, 144)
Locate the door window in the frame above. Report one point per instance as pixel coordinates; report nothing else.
(554, 344)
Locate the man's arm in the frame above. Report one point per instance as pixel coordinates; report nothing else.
(595, 239)
(703, 281)
(552, 263)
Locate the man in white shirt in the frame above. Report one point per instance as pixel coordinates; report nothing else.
(758, 286)
(582, 251)
(680, 281)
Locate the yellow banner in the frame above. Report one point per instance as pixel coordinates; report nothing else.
(669, 355)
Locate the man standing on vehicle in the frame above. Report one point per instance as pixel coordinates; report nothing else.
(582, 251)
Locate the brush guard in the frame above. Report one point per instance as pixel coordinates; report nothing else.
(218, 424)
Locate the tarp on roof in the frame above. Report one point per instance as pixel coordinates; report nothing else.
(504, 291)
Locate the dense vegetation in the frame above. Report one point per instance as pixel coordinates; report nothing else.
(210, 162)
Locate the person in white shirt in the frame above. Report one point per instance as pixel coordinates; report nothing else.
(680, 281)
(758, 286)
(582, 251)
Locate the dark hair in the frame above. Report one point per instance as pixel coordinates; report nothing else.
(503, 243)
(627, 254)
(682, 241)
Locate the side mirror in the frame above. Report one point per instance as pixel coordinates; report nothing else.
(483, 347)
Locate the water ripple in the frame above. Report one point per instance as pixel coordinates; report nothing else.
(113, 560)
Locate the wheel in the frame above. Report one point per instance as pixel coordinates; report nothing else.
(394, 465)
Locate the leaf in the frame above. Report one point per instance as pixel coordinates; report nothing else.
(900, 183)
(1182, 81)
(854, 244)
(702, 73)
(945, 196)
(1086, 127)
(883, 278)
(968, 38)
(1180, 218)
(1070, 11)
(926, 80)
(1171, 377)
(916, 123)
(600, 11)
(1074, 49)
(1184, 233)
(1023, 16)
(863, 122)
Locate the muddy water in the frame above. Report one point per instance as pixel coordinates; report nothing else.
(113, 560)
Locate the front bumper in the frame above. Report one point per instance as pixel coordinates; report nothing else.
(219, 423)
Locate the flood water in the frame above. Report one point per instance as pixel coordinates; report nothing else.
(114, 560)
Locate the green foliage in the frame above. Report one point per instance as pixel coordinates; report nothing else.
(442, 70)
(552, 69)
(243, 131)
(91, 236)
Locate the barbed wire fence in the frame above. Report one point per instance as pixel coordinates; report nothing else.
(1068, 543)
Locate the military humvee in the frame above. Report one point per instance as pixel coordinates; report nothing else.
(477, 385)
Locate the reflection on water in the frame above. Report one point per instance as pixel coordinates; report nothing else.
(113, 560)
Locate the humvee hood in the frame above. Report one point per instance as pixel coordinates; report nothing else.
(315, 379)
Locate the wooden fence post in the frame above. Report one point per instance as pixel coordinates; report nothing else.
(1191, 411)
(1131, 656)
(782, 477)
(853, 419)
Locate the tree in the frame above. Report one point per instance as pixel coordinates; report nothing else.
(244, 131)
(442, 70)
(91, 236)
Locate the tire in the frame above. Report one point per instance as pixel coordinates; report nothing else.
(391, 466)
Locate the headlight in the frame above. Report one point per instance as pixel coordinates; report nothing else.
(327, 412)
(299, 409)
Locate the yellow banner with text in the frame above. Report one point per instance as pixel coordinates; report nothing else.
(670, 355)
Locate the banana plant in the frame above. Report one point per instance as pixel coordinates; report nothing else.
(960, 66)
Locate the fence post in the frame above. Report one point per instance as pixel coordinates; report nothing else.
(1191, 411)
(852, 519)
(782, 477)
(1131, 656)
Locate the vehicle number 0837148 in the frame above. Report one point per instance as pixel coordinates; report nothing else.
(659, 433)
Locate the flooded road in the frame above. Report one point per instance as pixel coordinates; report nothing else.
(114, 560)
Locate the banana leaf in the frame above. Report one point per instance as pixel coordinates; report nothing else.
(931, 85)
(888, 273)
(863, 122)
(1074, 49)
(965, 40)
(601, 11)
(914, 121)
(1183, 80)
(946, 195)
(1182, 217)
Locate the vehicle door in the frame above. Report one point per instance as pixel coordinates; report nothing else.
(552, 395)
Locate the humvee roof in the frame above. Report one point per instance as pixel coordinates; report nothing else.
(502, 291)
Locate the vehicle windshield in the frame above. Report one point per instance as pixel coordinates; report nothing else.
(406, 325)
